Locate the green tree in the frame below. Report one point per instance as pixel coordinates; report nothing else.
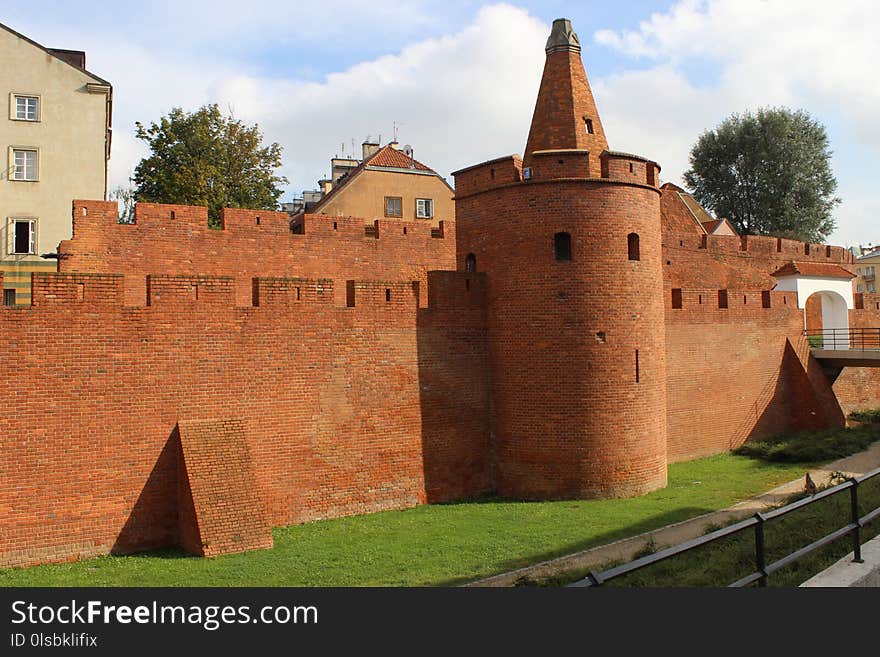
(768, 172)
(207, 158)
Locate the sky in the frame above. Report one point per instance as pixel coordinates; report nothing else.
(457, 79)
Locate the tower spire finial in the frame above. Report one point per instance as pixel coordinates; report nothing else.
(563, 37)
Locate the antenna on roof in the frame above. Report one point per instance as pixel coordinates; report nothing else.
(408, 150)
(395, 131)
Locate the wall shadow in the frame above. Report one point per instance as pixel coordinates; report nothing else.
(794, 404)
(152, 522)
(454, 388)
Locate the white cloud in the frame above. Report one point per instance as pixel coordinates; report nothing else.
(468, 96)
(805, 54)
(458, 99)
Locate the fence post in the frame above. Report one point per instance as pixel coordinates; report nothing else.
(760, 562)
(857, 532)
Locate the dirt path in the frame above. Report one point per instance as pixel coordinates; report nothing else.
(625, 549)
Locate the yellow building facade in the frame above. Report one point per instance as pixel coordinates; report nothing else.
(388, 184)
(55, 137)
(867, 268)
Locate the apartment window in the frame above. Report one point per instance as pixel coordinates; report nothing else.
(26, 108)
(22, 237)
(424, 208)
(393, 206)
(9, 297)
(24, 164)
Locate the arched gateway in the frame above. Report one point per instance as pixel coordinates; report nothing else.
(825, 293)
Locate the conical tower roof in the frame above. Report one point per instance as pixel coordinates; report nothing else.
(565, 113)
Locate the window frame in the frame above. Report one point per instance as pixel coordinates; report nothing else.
(399, 200)
(13, 107)
(13, 167)
(423, 215)
(12, 236)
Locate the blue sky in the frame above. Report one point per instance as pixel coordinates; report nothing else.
(459, 78)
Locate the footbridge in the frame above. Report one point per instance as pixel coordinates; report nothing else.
(844, 347)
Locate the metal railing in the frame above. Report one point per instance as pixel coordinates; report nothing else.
(853, 339)
(763, 570)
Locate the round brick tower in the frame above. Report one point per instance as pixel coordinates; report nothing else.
(569, 239)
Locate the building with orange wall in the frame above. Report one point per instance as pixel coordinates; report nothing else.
(388, 183)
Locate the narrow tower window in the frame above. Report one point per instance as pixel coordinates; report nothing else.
(676, 298)
(589, 125)
(470, 263)
(722, 298)
(632, 241)
(562, 243)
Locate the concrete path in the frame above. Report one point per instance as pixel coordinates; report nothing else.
(625, 549)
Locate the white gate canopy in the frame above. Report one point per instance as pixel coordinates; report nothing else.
(808, 278)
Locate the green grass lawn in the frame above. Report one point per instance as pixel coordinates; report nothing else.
(432, 545)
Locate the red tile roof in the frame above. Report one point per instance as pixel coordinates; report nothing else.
(391, 157)
(822, 269)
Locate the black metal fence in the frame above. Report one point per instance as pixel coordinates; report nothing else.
(757, 523)
(856, 339)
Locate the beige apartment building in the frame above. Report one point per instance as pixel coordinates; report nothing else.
(867, 268)
(388, 183)
(55, 136)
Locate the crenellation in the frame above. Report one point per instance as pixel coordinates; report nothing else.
(573, 332)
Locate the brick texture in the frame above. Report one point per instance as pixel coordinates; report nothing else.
(344, 409)
(217, 473)
(359, 365)
(337, 248)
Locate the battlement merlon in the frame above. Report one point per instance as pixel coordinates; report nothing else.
(191, 221)
(776, 248)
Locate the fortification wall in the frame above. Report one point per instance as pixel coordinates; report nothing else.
(175, 239)
(858, 389)
(347, 408)
(693, 261)
(739, 369)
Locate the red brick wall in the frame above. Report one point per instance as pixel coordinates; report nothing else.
(858, 389)
(158, 244)
(345, 409)
(569, 419)
(738, 373)
(721, 261)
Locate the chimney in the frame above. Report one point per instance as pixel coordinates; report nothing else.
(369, 148)
(73, 57)
(565, 113)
